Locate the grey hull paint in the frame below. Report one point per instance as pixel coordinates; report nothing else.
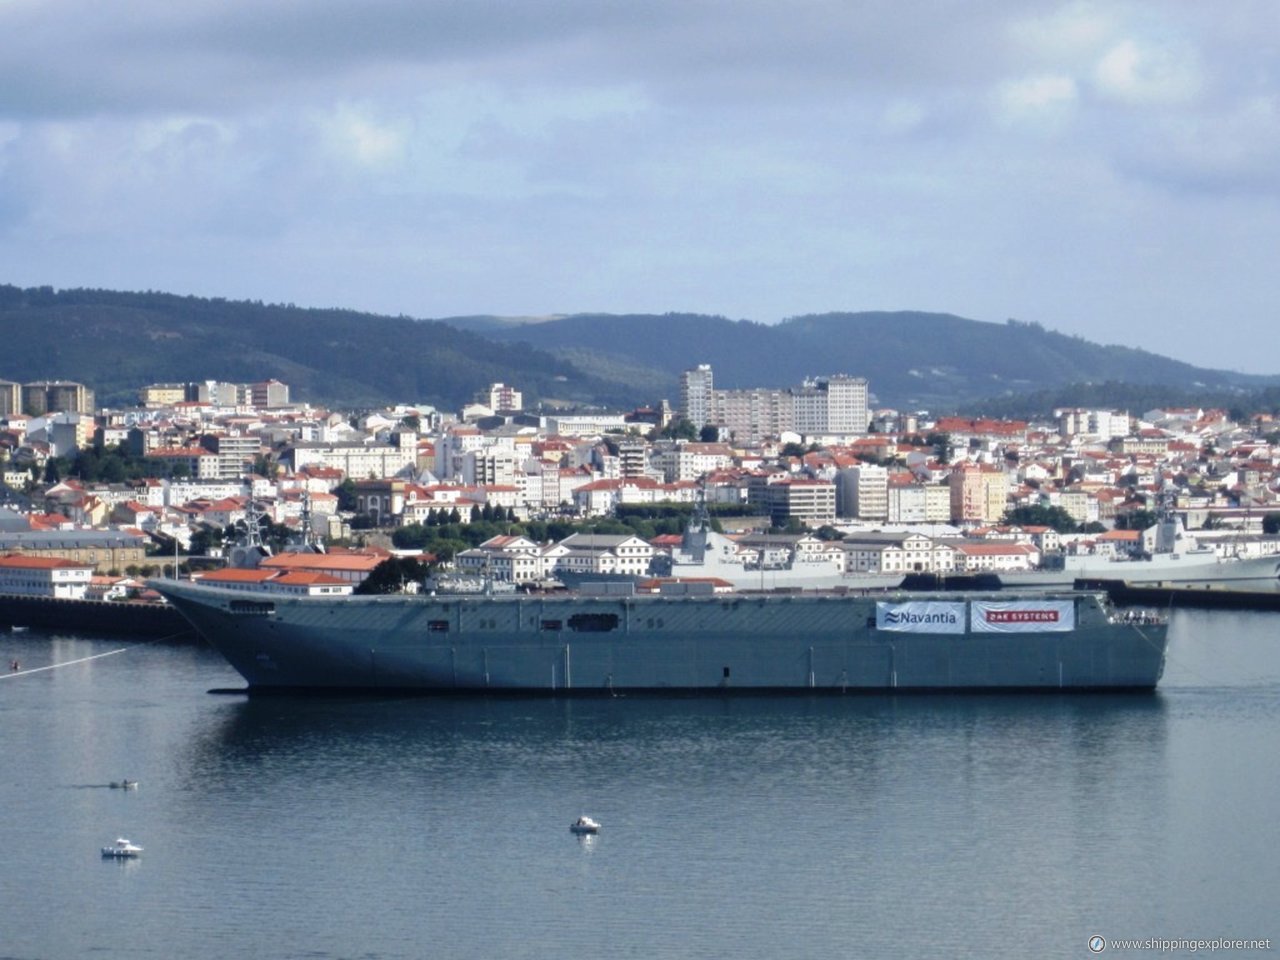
(610, 644)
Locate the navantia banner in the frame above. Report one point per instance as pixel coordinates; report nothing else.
(921, 616)
(1022, 616)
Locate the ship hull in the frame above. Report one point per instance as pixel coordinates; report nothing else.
(586, 645)
(1260, 574)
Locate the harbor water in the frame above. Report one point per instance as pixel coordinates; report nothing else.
(869, 825)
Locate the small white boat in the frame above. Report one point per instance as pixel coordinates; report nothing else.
(124, 784)
(122, 849)
(584, 825)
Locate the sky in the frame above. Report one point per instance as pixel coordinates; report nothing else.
(1109, 170)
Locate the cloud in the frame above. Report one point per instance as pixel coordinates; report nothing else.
(1036, 97)
(1141, 74)
(753, 158)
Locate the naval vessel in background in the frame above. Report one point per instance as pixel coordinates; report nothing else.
(610, 643)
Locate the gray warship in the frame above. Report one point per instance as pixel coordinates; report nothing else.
(609, 644)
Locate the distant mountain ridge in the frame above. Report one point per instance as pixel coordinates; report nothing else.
(117, 342)
(912, 359)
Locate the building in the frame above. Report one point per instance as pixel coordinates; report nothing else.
(155, 396)
(267, 394)
(863, 492)
(987, 557)
(69, 432)
(354, 458)
(598, 553)
(507, 559)
(897, 553)
(750, 416)
(502, 398)
(30, 576)
(811, 502)
(56, 396)
(978, 493)
(236, 452)
(103, 550)
(297, 583)
(10, 398)
(912, 502)
(826, 406)
(696, 395)
(346, 566)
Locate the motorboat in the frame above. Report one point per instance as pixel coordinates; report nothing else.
(122, 849)
(124, 784)
(584, 826)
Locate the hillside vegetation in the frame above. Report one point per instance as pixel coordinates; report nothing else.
(117, 342)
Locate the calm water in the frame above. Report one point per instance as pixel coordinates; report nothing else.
(861, 826)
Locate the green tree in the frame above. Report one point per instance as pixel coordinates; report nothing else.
(346, 494)
(679, 429)
(709, 434)
(943, 448)
(1041, 516)
(1136, 520)
(392, 574)
(1271, 523)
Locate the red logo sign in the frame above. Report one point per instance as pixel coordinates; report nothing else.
(1022, 616)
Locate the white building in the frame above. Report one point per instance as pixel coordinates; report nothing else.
(863, 492)
(826, 406)
(696, 395)
(44, 577)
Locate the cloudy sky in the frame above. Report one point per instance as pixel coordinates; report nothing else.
(1108, 169)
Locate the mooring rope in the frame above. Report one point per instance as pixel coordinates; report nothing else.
(97, 656)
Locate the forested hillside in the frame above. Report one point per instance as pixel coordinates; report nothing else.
(117, 342)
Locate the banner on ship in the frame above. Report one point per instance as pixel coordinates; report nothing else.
(921, 616)
(1023, 616)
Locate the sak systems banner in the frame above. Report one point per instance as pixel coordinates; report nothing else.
(1022, 616)
(921, 616)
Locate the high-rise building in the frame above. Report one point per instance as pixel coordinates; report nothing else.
(978, 493)
(696, 394)
(267, 394)
(831, 405)
(56, 396)
(863, 492)
(504, 399)
(10, 398)
(750, 416)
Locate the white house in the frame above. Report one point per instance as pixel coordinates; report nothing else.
(44, 577)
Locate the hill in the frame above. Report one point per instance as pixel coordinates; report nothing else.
(913, 360)
(117, 342)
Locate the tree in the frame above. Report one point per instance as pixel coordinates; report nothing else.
(1041, 516)
(346, 494)
(679, 429)
(392, 574)
(942, 446)
(1136, 520)
(709, 434)
(1271, 523)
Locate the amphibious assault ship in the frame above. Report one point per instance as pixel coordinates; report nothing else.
(607, 644)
